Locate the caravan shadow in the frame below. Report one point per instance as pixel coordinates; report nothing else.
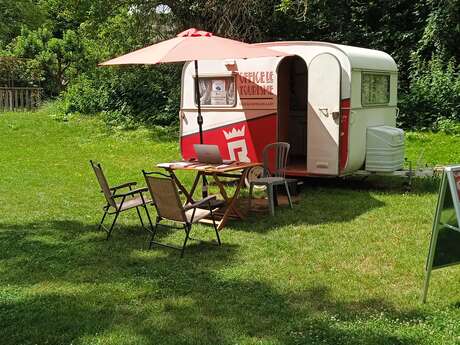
(315, 205)
(334, 200)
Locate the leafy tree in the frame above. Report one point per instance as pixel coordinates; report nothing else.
(441, 33)
(59, 58)
(17, 14)
(66, 39)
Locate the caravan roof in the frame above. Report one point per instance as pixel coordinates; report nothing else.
(359, 58)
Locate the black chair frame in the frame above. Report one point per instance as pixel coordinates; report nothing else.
(186, 225)
(114, 208)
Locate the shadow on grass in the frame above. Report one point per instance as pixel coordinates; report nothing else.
(62, 283)
(386, 184)
(236, 310)
(76, 252)
(333, 200)
(316, 206)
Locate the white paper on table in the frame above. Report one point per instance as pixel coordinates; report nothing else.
(204, 167)
(181, 164)
(164, 165)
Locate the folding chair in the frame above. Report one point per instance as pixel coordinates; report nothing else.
(167, 202)
(118, 202)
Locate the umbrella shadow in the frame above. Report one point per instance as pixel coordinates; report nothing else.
(75, 252)
(188, 301)
(63, 283)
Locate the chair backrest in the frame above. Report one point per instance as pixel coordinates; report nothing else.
(275, 157)
(105, 188)
(165, 197)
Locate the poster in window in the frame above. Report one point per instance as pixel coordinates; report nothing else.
(218, 93)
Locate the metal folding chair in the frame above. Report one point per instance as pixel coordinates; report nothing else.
(275, 157)
(118, 201)
(167, 202)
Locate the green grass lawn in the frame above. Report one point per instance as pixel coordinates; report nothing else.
(345, 266)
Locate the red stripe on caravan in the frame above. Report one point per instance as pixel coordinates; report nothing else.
(234, 123)
(243, 141)
(344, 130)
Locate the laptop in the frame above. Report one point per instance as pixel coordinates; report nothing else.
(208, 154)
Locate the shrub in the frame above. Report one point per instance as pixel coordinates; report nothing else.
(84, 96)
(448, 126)
(433, 95)
(128, 96)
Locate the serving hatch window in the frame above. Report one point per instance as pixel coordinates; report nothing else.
(217, 91)
(375, 89)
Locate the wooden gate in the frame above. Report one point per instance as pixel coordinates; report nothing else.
(19, 98)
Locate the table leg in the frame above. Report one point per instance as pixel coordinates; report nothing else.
(221, 187)
(188, 195)
(195, 184)
(231, 202)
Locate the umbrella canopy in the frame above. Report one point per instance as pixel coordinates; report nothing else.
(190, 45)
(193, 45)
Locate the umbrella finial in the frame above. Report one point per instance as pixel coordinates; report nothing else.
(192, 32)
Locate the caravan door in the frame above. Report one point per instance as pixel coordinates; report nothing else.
(323, 115)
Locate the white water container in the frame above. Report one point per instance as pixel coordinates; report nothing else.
(384, 149)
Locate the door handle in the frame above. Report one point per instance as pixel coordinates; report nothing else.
(335, 115)
(183, 117)
(324, 111)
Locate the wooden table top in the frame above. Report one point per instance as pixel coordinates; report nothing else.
(207, 167)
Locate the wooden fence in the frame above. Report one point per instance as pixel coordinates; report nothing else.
(20, 98)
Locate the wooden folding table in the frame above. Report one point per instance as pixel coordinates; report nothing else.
(236, 170)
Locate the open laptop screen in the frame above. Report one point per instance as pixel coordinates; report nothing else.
(208, 153)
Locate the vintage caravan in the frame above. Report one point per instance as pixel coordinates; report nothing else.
(336, 105)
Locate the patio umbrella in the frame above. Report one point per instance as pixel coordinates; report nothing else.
(193, 45)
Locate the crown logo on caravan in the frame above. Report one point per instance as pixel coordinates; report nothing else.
(234, 133)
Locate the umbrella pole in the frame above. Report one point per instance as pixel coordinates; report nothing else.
(199, 119)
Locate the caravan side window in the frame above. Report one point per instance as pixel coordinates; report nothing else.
(375, 89)
(217, 91)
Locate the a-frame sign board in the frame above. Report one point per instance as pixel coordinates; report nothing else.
(445, 237)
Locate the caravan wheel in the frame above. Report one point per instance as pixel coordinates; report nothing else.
(253, 174)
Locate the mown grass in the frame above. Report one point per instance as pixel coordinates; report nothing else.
(345, 266)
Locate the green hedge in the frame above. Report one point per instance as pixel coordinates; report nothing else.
(127, 96)
(433, 97)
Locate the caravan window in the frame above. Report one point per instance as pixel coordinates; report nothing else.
(217, 91)
(375, 89)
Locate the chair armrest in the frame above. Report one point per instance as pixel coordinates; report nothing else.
(199, 203)
(124, 185)
(131, 192)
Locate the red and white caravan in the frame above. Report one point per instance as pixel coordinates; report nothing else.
(335, 105)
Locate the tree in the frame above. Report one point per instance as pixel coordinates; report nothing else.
(441, 34)
(17, 14)
(60, 59)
